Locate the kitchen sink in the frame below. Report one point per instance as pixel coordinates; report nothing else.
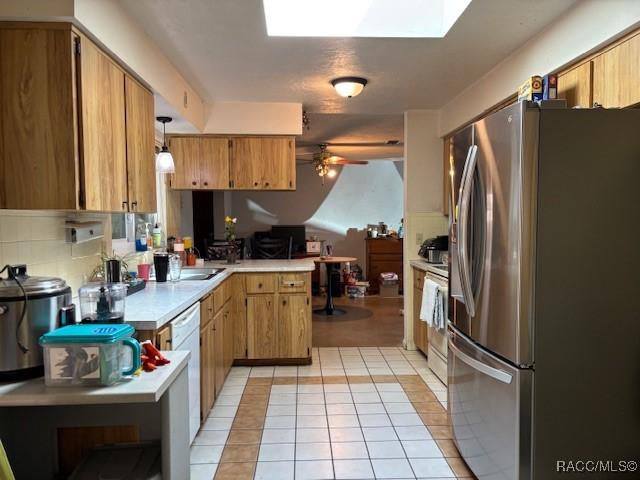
(200, 273)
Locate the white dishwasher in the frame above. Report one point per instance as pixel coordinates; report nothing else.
(185, 335)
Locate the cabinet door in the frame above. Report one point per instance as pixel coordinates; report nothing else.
(214, 163)
(228, 337)
(104, 162)
(419, 327)
(239, 315)
(262, 335)
(576, 86)
(294, 326)
(279, 163)
(163, 338)
(38, 156)
(616, 75)
(141, 171)
(218, 351)
(206, 387)
(186, 156)
(246, 163)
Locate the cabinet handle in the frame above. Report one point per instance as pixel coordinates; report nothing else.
(194, 183)
(259, 285)
(255, 184)
(284, 302)
(266, 184)
(124, 204)
(206, 183)
(134, 205)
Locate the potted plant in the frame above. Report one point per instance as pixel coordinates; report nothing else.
(230, 237)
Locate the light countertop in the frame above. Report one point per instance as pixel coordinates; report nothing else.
(430, 267)
(158, 303)
(147, 387)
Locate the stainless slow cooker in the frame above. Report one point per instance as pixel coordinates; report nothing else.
(47, 301)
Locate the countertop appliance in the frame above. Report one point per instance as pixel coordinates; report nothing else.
(45, 302)
(544, 337)
(102, 302)
(185, 335)
(433, 249)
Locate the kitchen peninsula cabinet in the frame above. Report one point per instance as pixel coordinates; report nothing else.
(77, 131)
(278, 316)
(211, 162)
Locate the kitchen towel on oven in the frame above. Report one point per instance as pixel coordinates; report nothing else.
(432, 308)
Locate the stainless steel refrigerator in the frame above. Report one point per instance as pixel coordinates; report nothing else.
(544, 296)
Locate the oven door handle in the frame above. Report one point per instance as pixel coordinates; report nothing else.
(463, 231)
(494, 373)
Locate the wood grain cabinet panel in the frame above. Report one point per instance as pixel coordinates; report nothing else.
(262, 334)
(239, 315)
(576, 86)
(294, 282)
(279, 163)
(294, 326)
(104, 155)
(186, 154)
(141, 171)
(228, 342)
(420, 329)
(218, 351)
(261, 282)
(37, 109)
(214, 163)
(207, 359)
(616, 75)
(246, 163)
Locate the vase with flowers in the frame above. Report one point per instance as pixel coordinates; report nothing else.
(230, 237)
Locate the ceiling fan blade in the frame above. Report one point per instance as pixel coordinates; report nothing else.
(344, 161)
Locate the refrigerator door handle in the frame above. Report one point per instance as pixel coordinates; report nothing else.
(463, 231)
(495, 373)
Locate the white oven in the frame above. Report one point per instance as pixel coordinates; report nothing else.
(437, 351)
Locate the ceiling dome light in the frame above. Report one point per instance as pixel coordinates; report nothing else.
(331, 173)
(349, 86)
(164, 159)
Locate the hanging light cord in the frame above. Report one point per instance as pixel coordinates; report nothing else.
(25, 298)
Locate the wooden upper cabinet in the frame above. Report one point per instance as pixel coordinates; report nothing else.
(214, 163)
(246, 163)
(576, 86)
(104, 156)
(186, 154)
(141, 171)
(38, 155)
(616, 75)
(69, 123)
(278, 163)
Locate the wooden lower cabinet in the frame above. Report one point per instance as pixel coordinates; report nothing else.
(239, 315)
(262, 336)
(228, 332)
(218, 351)
(294, 331)
(420, 329)
(207, 359)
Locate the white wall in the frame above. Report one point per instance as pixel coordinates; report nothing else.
(423, 170)
(253, 118)
(337, 212)
(582, 30)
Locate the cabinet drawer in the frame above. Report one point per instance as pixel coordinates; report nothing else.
(261, 283)
(220, 295)
(293, 282)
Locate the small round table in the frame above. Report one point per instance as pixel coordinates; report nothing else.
(329, 261)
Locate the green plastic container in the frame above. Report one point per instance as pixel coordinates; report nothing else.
(89, 354)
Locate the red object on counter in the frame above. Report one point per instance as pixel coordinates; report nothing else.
(152, 358)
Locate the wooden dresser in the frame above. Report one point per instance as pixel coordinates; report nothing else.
(383, 255)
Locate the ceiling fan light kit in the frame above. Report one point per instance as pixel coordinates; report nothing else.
(349, 86)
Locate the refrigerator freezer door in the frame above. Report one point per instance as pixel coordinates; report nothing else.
(490, 408)
(496, 221)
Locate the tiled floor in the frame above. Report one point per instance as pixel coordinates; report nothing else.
(355, 413)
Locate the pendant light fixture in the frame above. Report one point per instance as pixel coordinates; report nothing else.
(164, 160)
(349, 86)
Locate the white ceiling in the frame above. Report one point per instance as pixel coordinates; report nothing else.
(222, 49)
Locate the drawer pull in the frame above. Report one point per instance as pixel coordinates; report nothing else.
(259, 285)
(299, 283)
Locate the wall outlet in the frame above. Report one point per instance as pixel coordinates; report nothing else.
(419, 238)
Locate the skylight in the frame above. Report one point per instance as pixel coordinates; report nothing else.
(362, 18)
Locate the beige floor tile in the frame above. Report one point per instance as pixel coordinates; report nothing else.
(235, 471)
(240, 453)
(244, 436)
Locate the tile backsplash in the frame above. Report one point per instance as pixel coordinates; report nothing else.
(37, 239)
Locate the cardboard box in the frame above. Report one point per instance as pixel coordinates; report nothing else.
(531, 90)
(550, 87)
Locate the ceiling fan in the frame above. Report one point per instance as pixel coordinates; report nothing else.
(323, 159)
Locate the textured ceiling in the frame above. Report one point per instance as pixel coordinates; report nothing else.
(222, 48)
